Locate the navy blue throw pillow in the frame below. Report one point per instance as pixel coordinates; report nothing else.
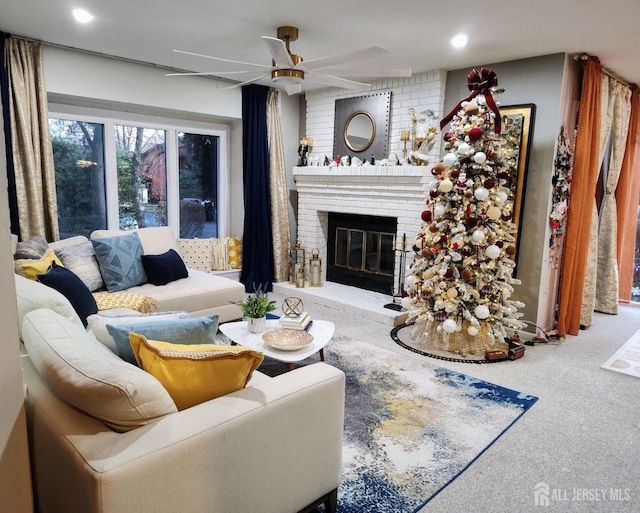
(73, 288)
(164, 268)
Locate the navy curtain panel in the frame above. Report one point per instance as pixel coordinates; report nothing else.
(6, 116)
(257, 241)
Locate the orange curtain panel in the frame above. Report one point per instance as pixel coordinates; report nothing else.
(585, 176)
(627, 196)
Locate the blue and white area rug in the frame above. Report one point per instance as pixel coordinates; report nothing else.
(410, 427)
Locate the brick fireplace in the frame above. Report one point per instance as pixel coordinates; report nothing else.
(390, 191)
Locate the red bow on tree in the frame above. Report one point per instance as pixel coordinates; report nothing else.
(479, 82)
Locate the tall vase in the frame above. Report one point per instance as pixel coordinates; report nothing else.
(256, 324)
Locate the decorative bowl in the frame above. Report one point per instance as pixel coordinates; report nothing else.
(287, 339)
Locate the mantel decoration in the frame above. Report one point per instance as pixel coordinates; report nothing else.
(461, 280)
(254, 308)
(422, 136)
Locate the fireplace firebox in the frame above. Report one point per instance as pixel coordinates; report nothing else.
(360, 251)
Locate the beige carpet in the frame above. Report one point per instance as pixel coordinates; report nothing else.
(626, 360)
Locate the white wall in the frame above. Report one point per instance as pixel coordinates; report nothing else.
(15, 477)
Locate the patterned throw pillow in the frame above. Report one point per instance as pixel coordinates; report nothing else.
(81, 259)
(196, 253)
(120, 261)
(235, 252)
(29, 268)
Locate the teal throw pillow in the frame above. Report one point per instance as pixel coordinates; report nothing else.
(198, 330)
(120, 260)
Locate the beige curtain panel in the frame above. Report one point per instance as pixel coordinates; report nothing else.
(278, 180)
(607, 266)
(601, 280)
(30, 140)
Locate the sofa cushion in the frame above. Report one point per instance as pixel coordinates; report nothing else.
(193, 374)
(164, 268)
(119, 260)
(199, 330)
(201, 291)
(70, 286)
(90, 377)
(197, 253)
(30, 268)
(31, 249)
(32, 295)
(97, 324)
(155, 239)
(81, 259)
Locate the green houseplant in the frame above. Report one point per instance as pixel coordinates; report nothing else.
(254, 308)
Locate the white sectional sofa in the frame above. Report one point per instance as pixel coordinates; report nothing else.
(273, 446)
(200, 294)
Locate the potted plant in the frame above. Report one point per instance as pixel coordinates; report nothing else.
(255, 308)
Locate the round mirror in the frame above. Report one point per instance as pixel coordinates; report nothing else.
(359, 131)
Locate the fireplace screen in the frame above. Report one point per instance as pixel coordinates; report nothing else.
(361, 251)
(369, 252)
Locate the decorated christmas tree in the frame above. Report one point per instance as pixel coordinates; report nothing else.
(461, 280)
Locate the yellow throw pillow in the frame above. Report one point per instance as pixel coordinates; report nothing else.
(195, 373)
(235, 252)
(31, 268)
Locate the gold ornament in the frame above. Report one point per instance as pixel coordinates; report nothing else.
(292, 306)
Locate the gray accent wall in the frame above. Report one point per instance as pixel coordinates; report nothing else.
(539, 81)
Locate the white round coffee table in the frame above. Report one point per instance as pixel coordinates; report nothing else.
(322, 332)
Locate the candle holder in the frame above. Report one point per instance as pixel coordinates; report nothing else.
(296, 262)
(315, 269)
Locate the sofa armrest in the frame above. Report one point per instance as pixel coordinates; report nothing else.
(274, 446)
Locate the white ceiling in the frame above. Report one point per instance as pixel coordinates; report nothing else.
(416, 32)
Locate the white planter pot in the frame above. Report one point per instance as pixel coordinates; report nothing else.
(256, 325)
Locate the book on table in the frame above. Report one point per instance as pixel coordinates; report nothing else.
(299, 322)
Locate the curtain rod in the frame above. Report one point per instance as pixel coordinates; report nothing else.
(584, 57)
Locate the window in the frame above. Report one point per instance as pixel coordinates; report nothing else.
(78, 152)
(142, 176)
(127, 171)
(197, 157)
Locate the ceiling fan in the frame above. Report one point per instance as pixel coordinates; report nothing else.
(290, 71)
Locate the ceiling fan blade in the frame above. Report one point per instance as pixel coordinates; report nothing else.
(339, 82)
(240, 84)
(208, 73)
(279, 52)
(224, 60)
(293, 89)
(369, 72)
(343, 58)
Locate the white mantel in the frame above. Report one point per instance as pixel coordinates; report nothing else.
(390, 191)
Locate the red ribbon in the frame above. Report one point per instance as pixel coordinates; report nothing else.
(479, 82)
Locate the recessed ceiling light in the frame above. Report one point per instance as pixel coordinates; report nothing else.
(82, 16)
(459, 41)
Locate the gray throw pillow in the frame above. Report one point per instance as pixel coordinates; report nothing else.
(31, 249)
(81, 259)
(199, 330)
(120, 261)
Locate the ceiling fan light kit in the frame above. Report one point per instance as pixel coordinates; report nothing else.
(289, 70)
